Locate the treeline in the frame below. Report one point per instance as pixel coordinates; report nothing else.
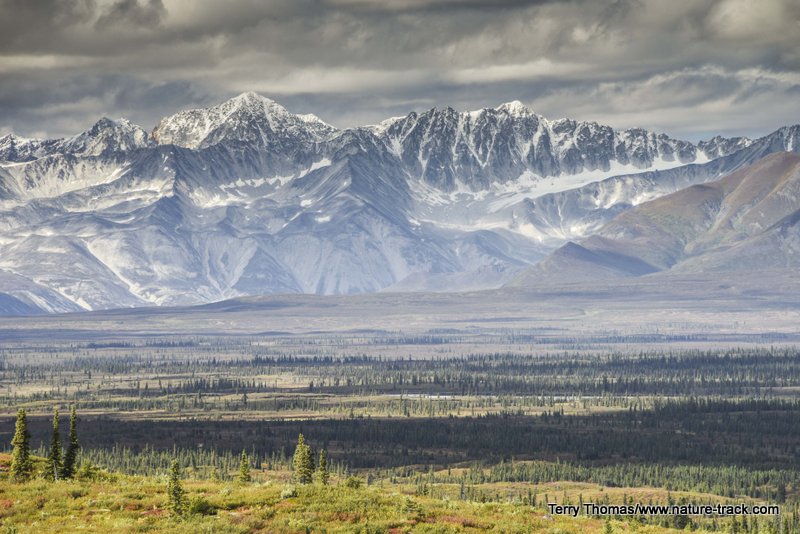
(374, 404)
(141, 381)
(773, 485)
(197, 463)
(759, 434)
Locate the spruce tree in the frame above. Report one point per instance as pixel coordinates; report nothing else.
(71, 456)
(303, 461)
(55, 457)
(21, 465)
(297, 461)
(310, 462)
(175, 492)
(244, 469)
(321, 473)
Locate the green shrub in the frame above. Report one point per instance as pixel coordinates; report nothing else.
(265, 513)
(88, 471)
(353, 482)
(413, 509)
(77, 493)
(289, 492)
(199, 505)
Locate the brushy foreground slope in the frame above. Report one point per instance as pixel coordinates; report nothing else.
(118, 503)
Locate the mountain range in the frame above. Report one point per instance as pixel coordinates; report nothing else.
(246, 198)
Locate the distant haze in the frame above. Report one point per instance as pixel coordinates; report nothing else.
(687, 68)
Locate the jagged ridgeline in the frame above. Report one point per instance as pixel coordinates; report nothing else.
(246, 198)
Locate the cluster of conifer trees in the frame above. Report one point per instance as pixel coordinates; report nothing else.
(303, 464)
(59, 464)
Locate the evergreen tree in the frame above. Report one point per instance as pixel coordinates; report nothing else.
(175, 492)
(21, 465)
(55, 457)
(303, 461)
(71, 456)
(780, 496)
(321, 473)
(244, 469)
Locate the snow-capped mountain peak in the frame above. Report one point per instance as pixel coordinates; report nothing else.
(16, 148)
(247, 118)
(313, 119)
(252, 104)
(515, 108)
(107, 136)
(250, 98)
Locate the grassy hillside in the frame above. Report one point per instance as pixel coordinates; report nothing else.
(110, 502)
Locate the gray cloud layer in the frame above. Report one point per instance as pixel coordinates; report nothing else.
(687, 67)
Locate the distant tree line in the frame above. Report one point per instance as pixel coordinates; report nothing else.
(175, 379)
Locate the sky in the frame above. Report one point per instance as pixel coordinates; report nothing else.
(690, 68)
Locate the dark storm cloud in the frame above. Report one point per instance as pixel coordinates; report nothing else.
(147, 13)
(432, 5)
(34, 25)
(687, 67)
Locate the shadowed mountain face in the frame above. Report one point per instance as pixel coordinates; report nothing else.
(246, 198)
(746, 221)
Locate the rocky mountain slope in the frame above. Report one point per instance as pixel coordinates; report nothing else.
(247, 198)
(746, 221)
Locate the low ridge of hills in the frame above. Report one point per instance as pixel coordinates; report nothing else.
(746, 221)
